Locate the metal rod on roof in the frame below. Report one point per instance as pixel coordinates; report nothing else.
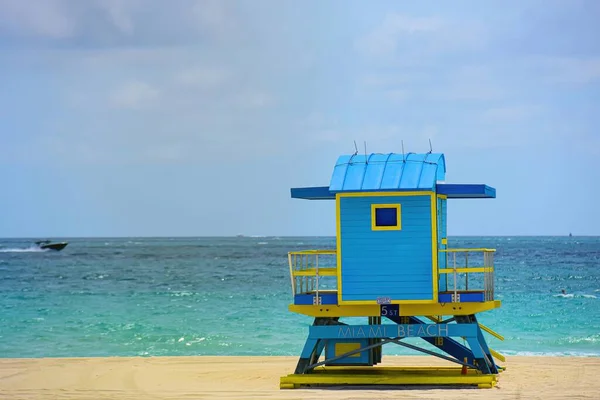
(402, 141)
(430, 148)
(366, 159)
(355, 148)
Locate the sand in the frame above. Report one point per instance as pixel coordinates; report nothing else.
(258, 378)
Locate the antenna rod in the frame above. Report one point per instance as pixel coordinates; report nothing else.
(355, 148)
(402, 141)
(366, 160)
(430, 148)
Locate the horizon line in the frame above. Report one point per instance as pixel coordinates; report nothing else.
(239, 236)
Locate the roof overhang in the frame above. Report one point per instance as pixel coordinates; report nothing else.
(452, 191)
(466, 191)
(313, 193)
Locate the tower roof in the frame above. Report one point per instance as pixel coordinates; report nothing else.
(377, 172)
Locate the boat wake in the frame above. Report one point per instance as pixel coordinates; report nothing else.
(32, 249)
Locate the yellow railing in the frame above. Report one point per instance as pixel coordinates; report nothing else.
(455, 268)
(307, 266)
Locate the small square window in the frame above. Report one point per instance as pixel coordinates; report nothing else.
(385, 217)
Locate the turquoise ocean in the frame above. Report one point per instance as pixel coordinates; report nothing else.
(229, 296)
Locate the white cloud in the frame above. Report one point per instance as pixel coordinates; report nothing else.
(215, 15)
(253, 99)
(409, 38)
(45, 18)
(202, 77)
(383, 40)
(119, 13)
(114, 23)
(388, 79)
(169, 152)
(435, 83)
(573, 70)
(134, 95)
(397, 95)
(468, 82)
(511, 113)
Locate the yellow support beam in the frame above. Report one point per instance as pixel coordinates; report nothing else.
(373, 310)
(498, 355)
(389, 376)
(491, 332)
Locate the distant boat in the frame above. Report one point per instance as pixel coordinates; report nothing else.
(570, 234)
(48, 245)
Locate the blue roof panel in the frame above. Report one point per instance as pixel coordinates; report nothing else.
(355, 172)
(428, 174)
(387, 172)
(339, 172)
(374, 173)
(393, 172)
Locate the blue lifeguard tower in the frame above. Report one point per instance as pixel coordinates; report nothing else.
(392, 266)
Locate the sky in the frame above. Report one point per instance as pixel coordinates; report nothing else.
(195, 118)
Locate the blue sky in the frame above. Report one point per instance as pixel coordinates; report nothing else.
(156, 118)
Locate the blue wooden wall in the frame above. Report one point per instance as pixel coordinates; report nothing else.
(393, 263)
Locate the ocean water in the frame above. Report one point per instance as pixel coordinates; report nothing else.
(229, 296)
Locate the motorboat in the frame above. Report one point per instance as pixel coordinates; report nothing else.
(49, 245)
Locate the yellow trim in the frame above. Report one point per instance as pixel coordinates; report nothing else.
(373, 310)
(375, 227)
(434, 246)
(380, 194)
(309, 252)
(343, 348)
(445, 241)
(371, 302)
(465, 250)
(338, 197)
(338, 240)
(313, 272)
(466, 270)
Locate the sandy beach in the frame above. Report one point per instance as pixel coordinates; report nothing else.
(258, 377)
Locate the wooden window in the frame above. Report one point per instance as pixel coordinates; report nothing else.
(385, 217)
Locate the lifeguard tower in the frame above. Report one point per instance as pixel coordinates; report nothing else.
(393, 267)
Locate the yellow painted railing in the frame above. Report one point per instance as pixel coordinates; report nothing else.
(458, 263)
(308, 266)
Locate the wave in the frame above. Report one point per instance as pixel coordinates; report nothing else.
(587, 339)
(549, 353)
(571, 295)
(31, 249)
